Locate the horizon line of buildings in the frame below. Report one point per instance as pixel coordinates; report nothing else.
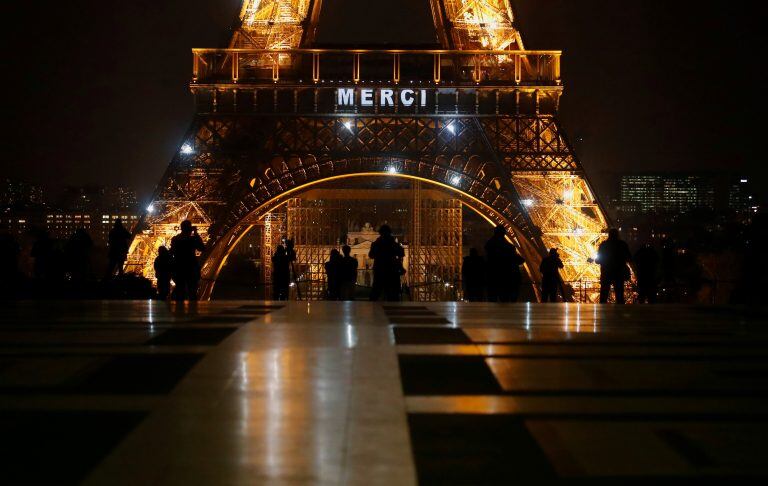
(678, 193)
(24, 209)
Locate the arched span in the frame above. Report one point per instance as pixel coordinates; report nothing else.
(216, 257)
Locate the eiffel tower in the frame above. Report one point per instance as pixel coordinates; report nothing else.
(277, 114)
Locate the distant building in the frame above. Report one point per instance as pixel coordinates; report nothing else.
(15, 223)
(666, 193)
(62, 224)
(97, 198)
(100, 233)
(741, 196)
(92, 208)
(19, 194)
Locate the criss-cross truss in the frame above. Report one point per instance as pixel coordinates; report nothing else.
(271, 24)
(479, 24)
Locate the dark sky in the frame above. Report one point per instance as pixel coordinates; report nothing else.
(96, 91)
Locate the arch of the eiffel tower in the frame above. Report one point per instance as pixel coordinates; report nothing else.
(477, 116)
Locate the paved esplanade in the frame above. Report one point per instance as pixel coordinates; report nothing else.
(360, 393)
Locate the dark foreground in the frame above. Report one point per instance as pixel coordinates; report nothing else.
(360, 393)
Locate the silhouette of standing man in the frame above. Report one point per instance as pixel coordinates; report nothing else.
(473, 276)
(613, 256)
(550, 275)
(281, 271)
(163, 265)
(348, 274)
(387, 257)
(184, 248)
(503, 268)
(646, 261)
(119, 240)
(333, 275)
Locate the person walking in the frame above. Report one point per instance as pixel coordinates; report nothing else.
(646, 264)
(473, 276)
(186, 269)
(550, 275)
(348, 274)
(118, 241)
(333, 275)
(163, 265)
(387, 255)
(613, 256)
(504, 262)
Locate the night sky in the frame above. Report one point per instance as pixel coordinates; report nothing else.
(96, 91)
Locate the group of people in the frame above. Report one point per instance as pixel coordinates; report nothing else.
(495, 278)
(614, 258)
(54, 262)
(341, 273)
(341, 269)
(179, 263)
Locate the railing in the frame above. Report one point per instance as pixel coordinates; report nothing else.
(321, 66)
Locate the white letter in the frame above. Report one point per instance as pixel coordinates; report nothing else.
(423, 97)
(366, 97)
(386, 97)
(346, 96)
(407, 97)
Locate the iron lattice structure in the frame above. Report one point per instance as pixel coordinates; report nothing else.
(272, 231)
(435, 249)
(316, 227)
(272, 24)
(271, 123)
(476, 24)
(321, 220)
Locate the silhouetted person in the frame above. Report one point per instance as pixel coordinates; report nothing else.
(473, 276)
(348, 274)
(119, 241)
(164, 272)
(9, 264)
(186, 269)
(387, 257)
(613, 256)
(333, 275)
(646, 263)
(550, 275)
(503, 268)
(281, 271)
(77, 254)
(43, 252)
